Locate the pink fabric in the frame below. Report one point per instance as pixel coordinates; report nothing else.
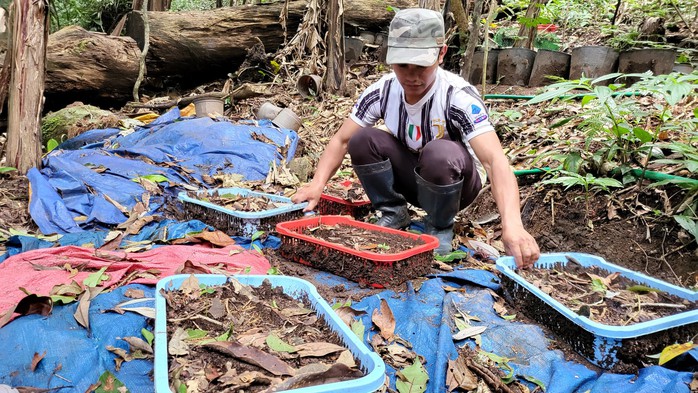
(18, 270)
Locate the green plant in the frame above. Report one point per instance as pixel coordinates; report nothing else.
(505, 36)
(616, 125)
(192, 5)
(572, 14)
(95, 15)
(51, 144)
(548, 41)
(589, 182)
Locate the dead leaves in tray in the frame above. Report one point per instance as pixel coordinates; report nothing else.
(605, 297)
(348, 190)
(241, 203)
(235, 336)
(355, 237)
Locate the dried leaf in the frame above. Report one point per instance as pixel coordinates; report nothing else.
(483, 249)
(190, 267)
(295, 311)
(34, 304)
(469, 332)
(398, 354)
(384, 320)
(73, 289)
(145, 311)
(347, 358)
(253, 337)
(148, 312)
(190, 287)
(138, 344)
(347, 314)
(459, 375)
(82, 313)
(336, 373)
(177, 345)
(252, 355)
(217, 238)
(217, 309)
(245, 379)
(134, 293)
(36, 359)
(318, 349)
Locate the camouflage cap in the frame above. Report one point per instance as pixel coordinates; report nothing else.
(416, 36)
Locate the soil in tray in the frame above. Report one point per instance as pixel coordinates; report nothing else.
(605, 297)
(362, 239)
(254, 320)
(238, 202)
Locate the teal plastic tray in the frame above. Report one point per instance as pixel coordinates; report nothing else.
(603, 345)
(240, 223)
(371, 363)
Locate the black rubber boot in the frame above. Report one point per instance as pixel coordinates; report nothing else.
(441, 203)
(378, 182)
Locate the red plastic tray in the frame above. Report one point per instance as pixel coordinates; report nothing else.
(332, 205)
(366, 267)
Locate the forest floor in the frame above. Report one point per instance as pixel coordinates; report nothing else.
(631, 226)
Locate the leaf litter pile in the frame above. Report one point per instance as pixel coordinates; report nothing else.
(605, 297)
(236, 337)
(363, 239)
(238, 202)
(350, 191)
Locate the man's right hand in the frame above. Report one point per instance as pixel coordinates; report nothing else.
(310, 193)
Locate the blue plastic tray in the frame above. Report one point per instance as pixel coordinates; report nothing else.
(239, 223)
(371, 363)
(607, 339)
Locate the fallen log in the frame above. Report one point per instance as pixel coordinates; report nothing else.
(81, 62)
(213, 43)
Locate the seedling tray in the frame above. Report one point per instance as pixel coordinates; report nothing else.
(607, 346)
(333, 205)
(240, 223)
(371, 364)
(379, 270)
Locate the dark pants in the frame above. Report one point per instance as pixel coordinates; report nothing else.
(441, 162)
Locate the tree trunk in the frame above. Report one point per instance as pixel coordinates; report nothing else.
(430, 4)
(529, 29)
(461, 18)
(30, 26)
(334, 78)
(81, 62)
(473, 38)
(214, 43)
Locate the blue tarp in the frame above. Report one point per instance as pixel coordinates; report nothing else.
(70, 194)
(103, 162)
(424, 316)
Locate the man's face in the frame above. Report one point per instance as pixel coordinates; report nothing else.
(417, 80)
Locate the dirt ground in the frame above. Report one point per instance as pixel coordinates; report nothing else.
(609, 226)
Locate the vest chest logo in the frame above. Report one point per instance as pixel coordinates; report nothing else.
(414, 132)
